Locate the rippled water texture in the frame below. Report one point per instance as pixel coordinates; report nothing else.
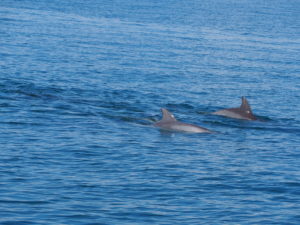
(82, 82)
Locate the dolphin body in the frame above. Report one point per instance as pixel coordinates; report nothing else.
(168, 122)
(243, 112)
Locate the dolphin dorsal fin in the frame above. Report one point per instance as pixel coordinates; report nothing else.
(167, 116)
(245, 106)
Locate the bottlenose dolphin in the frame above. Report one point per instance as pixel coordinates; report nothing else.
(168, 122)
(243, 112)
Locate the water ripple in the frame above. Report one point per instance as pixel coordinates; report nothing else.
(82, 83)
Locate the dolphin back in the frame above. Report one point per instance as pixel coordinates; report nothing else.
(168, 122)
(242, 112)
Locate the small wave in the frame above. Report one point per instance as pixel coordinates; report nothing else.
(30, 90)
(25, 202)
(264, 123)
(20, 123)
(183, 106)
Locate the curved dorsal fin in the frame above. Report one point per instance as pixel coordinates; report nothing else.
(167, 116)
(245, 105)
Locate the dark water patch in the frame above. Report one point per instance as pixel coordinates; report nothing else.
(21, 124)
(291, 184)
(97, 223)
(264, 118)
(25, 202)
(6, 104)
(230, 123)
(270, 126)
(18, 221)
(276, 189)
(281, 130)
(179, 106)
(30, 90)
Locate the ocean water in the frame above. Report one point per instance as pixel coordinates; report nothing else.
(82, 82)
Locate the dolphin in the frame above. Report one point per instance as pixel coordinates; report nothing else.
(168, 122)
(243, 112)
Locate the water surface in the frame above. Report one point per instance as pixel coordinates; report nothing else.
(81, 83)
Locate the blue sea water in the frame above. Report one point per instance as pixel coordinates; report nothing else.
(81, 83)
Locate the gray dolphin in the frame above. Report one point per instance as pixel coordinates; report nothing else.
(243, 112)
(168, 122)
